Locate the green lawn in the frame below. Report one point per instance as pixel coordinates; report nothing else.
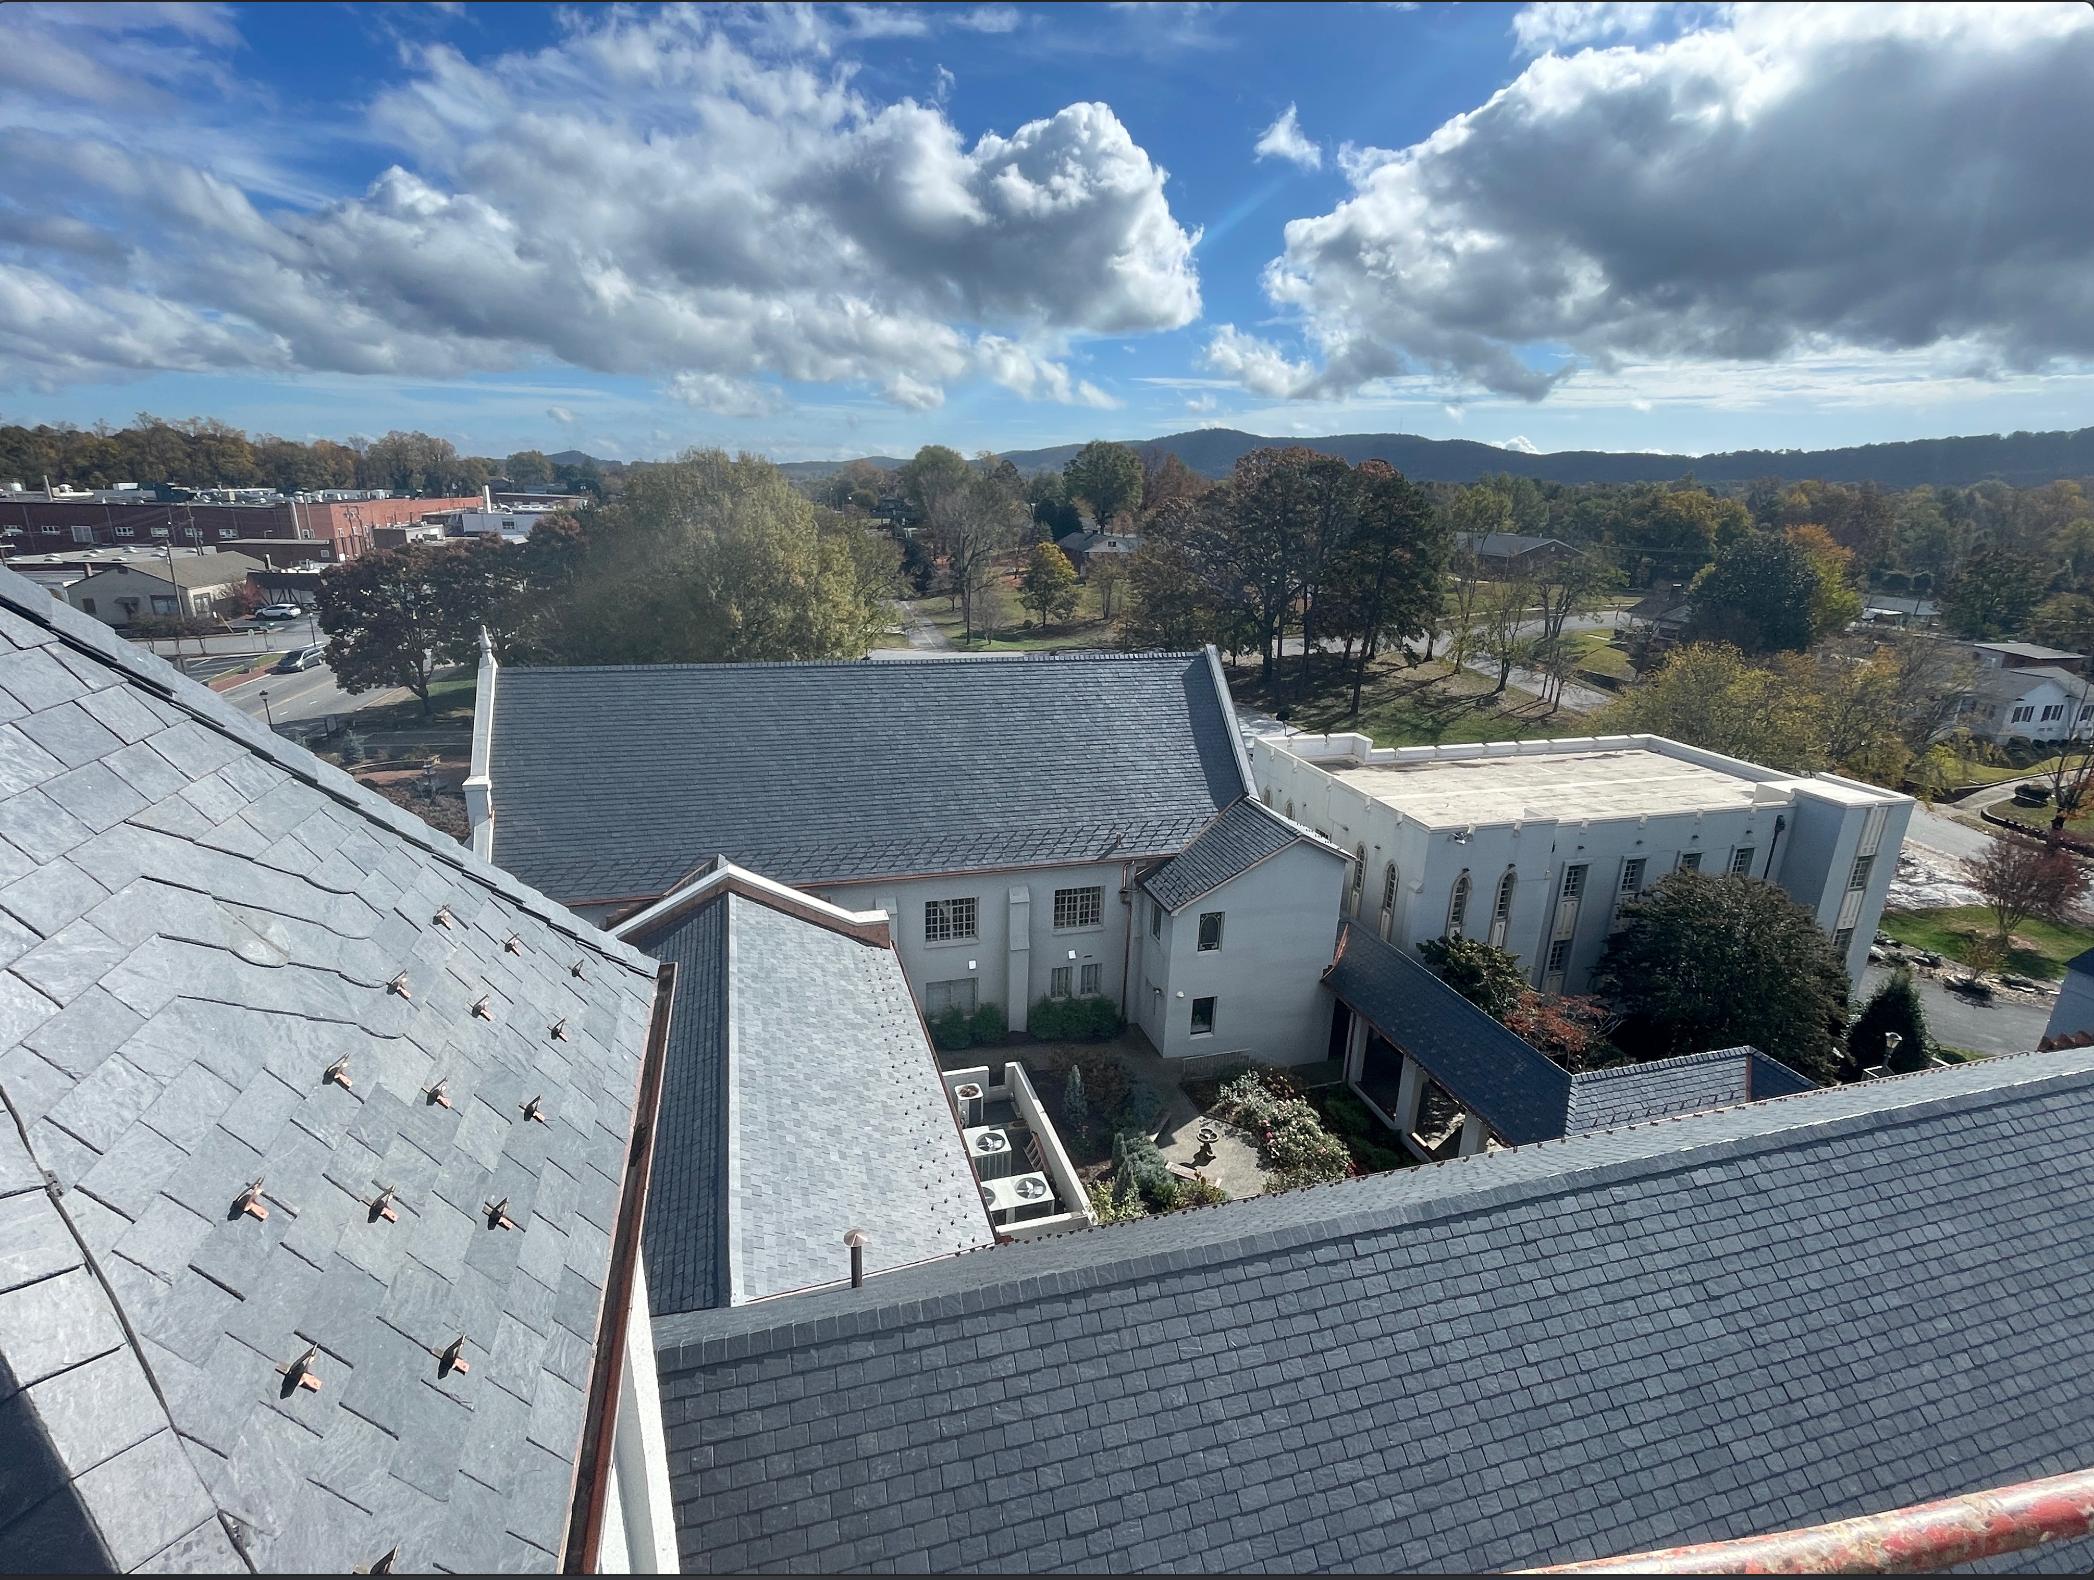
(1012, 630)
(1967, 772)
(2040, 949)
(450, 707)
(1427, 706)
(1594, 654)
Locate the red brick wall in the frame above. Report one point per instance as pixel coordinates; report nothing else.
(347, 526)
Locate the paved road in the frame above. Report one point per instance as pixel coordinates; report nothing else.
(1999, 1027)
(305, 695)
(1944, 835)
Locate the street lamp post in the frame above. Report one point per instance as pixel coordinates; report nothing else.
(268, 717)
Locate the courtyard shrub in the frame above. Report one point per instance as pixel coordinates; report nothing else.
(1293, 1144)
(1076, 1102)
(1139, 1110)
(950, 1029)
(1138, 1166)
(1104, 1082)
(987, 1025)
(1087, 1019)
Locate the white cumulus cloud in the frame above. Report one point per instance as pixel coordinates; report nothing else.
(560, 415)
(1783, 181)
(691, 195)
(1284, 139)
(1520, 444)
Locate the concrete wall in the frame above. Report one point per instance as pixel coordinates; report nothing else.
(1016, 945)
(1811, 855)
(1280, 925)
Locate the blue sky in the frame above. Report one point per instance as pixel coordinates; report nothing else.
(826, 231)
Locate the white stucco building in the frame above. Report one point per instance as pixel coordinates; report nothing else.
(1535, 845)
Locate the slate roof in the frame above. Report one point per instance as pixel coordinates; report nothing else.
(2026, 650)
(2020, 682)
(1506, 545)
(1488, 1070)
(1743, 1321)
(800, 1098)
(1242, 834)
(197, 920)
(1690, 1084)
(612, 783)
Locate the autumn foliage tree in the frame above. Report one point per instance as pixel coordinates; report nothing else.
(2019, 878)
(394, 617)
(1049, 587)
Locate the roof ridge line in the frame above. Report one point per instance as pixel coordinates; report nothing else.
(915, 661)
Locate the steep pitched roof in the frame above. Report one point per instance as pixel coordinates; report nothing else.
(610, 783)
(198, 922)
(1506, 545)
(1488, 1070)
(1241, 835)
(1764, 1317)
(801, 1098)
(1666, 1088)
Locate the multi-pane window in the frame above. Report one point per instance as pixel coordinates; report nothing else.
(1690, 861)
(948, 921)
(1842, 941)
(1090, 980)
(1573, 881)
(1359, 878)
(163, 605)
(1210, 929)
(1859, 877)
(1202, 1016)
(2023, 715)
(1559, 956)
(1632, 875)
(1058, 983)
(1079, 907)
(938, 997)
(1388, 887)
(1503, 908)
(1458, 906)
(2052, 710)
(1741, 862)
(1156, 918)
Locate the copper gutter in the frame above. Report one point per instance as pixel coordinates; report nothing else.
(1918, 1539)
(593, 1472)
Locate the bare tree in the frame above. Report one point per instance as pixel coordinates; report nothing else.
(1502, 625)
(973, 525)
(2019, 878)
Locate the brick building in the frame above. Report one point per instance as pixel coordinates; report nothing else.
(44, 526)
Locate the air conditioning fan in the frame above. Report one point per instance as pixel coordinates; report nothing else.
(968, 1097)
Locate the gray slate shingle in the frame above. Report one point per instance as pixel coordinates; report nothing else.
(1773, 1315)
(1243, 834)
(1632, 1093)
(248, 908)
(616, 782)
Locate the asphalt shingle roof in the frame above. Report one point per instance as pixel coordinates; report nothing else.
(1487, 1069)
(613, 783)
(1242, 834)
(1742, 1321)
(801, 1098)
(197, 921)
(1690, 1084)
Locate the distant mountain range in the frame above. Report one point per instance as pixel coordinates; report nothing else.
(2023, 459)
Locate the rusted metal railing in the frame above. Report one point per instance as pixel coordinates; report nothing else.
(1917, 1539)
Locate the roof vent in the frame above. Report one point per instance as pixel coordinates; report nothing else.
(855, 1239)
(498, 1214)
(337, 1073)
(399, 985)
(439, 1095)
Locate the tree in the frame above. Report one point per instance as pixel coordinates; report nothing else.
(1054, 518)
(1166, 480)
(1178, 597)
(931, 474)
(528, 469)
(1107, 573)
(1894, 1008)
(972, 527)
(1761, 596)
(1391, 570)
(1994, 594)
(1049, 586)
(1501, 629)
(394, 616)
(1835, 604)
(1105, 476)
(2018, 878)
(1470, 515)
(418, 463)
(1706, 695)
(1572, 1030)
(1485, 975)
(1717, 961)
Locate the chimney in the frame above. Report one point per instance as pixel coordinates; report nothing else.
(487, 496)
(855, 1239)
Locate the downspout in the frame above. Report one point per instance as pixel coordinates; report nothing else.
(1127, 941)
(1781, 821)
(585, 1520)
(479, 783)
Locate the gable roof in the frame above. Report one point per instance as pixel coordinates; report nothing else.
(609, 783)
(801, 1098)
(1666, 1088)
(1241, 835)
(2020, 682)
(2026, 650)
(1844, 1301)
(1489, 1070)
(198, 920)
(186, 570)
(1506, 545)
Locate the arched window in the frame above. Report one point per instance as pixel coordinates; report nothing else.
(1388, 899)
(1501, 910)
(1458, 906)
(1268, 795)
(1359, 878)
(1290, 811)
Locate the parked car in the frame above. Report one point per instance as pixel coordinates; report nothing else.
(280, 611)
(300, 658)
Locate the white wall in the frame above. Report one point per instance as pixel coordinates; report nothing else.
(639, 1526)
(1991, 717)
(1279, 927)
(1811, 854)
(1016, 944)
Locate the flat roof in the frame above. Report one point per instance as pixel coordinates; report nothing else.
(1457, 792)
(2025, 650)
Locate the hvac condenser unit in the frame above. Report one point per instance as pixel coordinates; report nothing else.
(967, 1097)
